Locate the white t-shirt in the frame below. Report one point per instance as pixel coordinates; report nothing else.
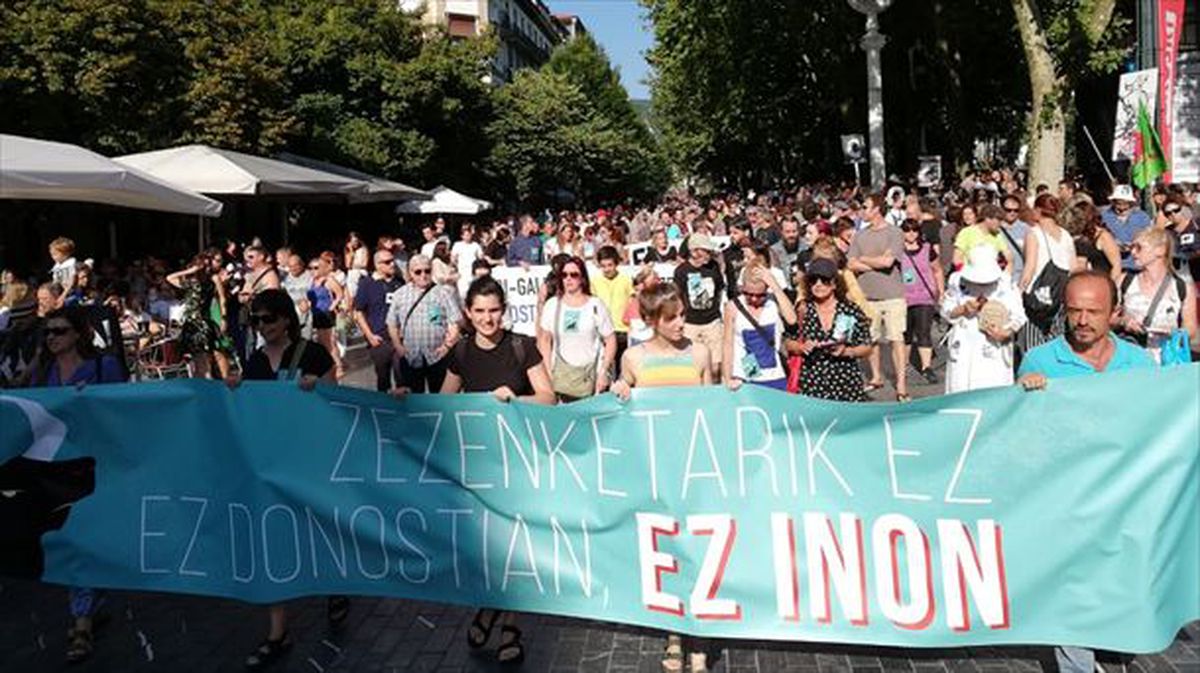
(579, 335)
(466, 253)
(63, 272)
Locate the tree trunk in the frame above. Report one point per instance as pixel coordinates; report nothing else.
(1047, 123)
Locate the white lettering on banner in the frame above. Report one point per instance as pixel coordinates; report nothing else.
(838, 560)
(144, 533)
(522, 529)
(763, 453)
(888, 531)
(437, 424)
(415, 549)
(813, 451)
(892, 452)
(700, 423)
(454, 514)
(602, 451)
(464, 447)
(787, 577)
(183, 570)
(333, 475)
(704, 602)
(358, 553)
(976, 418)
(267, 544)
(233, 548)
(555, 449)
(532, 466)
(380, 442)
(975, 570)
(584, 572)
(338, 555)
(651, 449)
(653, 563)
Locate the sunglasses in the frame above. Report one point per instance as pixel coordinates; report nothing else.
(821, 280)
(263, 319)
(1012, 210)
(57, 331)
(754, 295)
(418, 272)
(909, 228)
(572, 274)
(314, 267)
(386, 260)
(1171, 211)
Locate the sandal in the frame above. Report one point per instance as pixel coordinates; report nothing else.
(511, 652)
(903, 398)
(699, 662)
(268, 652)
(337, 609)
(673, 655)
(80, 645)
(481, 628)
(872, 386)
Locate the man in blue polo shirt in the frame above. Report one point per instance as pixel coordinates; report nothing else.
(1088, 347)
(1124, 220)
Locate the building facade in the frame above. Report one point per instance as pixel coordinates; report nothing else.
(526, 30)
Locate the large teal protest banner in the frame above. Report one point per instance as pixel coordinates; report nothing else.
(1066, 516)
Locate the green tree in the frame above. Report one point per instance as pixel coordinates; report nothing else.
(103, 74)
(1065, 42)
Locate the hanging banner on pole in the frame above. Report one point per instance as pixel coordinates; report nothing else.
(1170, 25)
(1134, 88)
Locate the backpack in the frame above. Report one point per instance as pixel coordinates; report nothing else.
(1044, 298)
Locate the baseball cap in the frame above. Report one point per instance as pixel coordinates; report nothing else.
(700, 242)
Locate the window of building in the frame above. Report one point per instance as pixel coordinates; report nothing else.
(460, 25)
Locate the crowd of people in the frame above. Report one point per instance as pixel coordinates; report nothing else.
(808, 291)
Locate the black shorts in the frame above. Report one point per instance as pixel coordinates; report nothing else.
(322, 319)
(918, 330)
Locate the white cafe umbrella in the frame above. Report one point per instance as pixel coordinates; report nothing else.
(445, 201)
(378, 189)
(210, 170)
(49, 171)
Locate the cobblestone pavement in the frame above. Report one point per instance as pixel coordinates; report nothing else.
(156, 632)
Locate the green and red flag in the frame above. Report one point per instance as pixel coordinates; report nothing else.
(1148, 159)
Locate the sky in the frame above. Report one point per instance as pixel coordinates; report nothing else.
(619, 27)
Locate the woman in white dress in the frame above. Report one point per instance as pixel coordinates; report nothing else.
(985, 311)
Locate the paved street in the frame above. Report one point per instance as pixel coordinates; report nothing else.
(154, 632)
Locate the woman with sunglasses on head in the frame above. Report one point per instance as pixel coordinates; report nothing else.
(68, 357)
(491, 359)
(577, 336)
(755, 321)
(834, 335)
(1155, 301)
(285, 356)
(326, 297)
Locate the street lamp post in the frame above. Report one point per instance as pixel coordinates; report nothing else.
(872, 43)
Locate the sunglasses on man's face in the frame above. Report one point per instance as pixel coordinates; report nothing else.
(57, 331)
(418, 272)
(1012, 210)
(263, 319)
(1171, 211)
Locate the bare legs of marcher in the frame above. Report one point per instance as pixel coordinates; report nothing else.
(899, 359)
(279, 641)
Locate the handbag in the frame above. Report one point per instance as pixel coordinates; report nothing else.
(567, 379)
(1176, 350)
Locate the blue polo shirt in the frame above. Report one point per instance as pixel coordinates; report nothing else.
(1125, 230)
(1056, 360)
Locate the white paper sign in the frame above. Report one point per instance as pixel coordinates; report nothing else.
(1134, 87)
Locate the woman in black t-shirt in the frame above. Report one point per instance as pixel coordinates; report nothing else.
(285, 356)
(495, 360)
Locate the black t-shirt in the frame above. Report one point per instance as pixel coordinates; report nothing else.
(653, 256)
(314, 361)
(374, 298)
(701, 289)
(483, 371)
(735, 261)
(931, 232)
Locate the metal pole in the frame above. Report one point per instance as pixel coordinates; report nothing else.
(112, 240)
(1112, 180)
(872, 43)
(857, 175)
(199, 233)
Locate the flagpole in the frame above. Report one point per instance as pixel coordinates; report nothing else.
(1111, 179)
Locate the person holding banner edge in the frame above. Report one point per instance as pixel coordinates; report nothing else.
(285, 356)
(494, 360)
(1088, 347)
